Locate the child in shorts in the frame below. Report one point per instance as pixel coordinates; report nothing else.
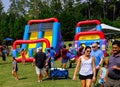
(103, 71)
(14, 68)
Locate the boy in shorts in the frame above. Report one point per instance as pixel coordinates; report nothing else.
(14, 68)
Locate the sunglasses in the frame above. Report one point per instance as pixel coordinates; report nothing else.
(88, 51)
(94, 46)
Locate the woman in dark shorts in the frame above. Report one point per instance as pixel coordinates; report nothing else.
(87, 68)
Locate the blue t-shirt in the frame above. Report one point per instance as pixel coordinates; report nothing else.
(101, 80)
(52, 53)
(98, 55)
(72, 50)
(103, 72)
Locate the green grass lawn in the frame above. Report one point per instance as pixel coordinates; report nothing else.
(28, 77)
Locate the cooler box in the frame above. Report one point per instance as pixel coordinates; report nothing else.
(58, 72)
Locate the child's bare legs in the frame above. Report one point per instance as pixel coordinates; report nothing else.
(47, 73)
(61, 65)
(14, 73)
(101, 85)
(64, 65)
(23, 60)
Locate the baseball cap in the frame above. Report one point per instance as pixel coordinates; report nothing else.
(40, 48)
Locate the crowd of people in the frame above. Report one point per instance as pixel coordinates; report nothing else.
(109, 70)
(91, 63)
(4, 52)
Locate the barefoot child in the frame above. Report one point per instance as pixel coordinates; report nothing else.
(23, 55)
(14, 68)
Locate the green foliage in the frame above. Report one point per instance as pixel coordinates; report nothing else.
(28, 77)
(1, 7)
(68, 12)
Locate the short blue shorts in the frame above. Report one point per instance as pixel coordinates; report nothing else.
(64, 60)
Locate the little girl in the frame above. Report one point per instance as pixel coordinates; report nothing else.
(103, 72)
(14, 68)
(23, 56)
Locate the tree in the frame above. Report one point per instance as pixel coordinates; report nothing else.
(18, 8)
(56, 7)
(1, 7)
(68, 12)
(68, 20)
(3, 22)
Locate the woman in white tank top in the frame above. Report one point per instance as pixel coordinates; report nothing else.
(87, 68)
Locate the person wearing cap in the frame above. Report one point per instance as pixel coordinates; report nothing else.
(39, 61)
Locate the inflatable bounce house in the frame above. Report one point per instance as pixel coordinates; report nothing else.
(44, 33)
(87, 34)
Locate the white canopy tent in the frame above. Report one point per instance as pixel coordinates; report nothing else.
(104, 26)
(109, 29)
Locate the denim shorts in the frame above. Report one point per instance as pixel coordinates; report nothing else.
(64, 60)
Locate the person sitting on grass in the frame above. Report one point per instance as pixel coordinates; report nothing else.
(14, 68)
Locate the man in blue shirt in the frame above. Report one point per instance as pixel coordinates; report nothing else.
(98, 55)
